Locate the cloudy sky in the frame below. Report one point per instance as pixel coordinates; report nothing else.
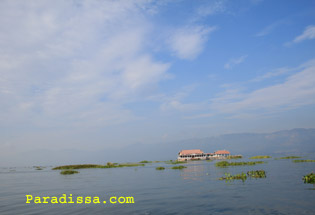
(101, 74)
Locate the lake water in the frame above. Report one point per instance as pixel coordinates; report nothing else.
(194, 190)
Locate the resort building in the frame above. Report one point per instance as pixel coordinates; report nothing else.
(197, 154)
(221, 153)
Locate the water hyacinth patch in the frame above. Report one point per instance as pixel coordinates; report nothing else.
(79, 166)
(145, 161)
(289, 157)
(179, 167)
(68, 172)
(174, 162)
(160, 168)
(310, 178)
(87, 166)
(302, 161)
(229, 177)
(257, 174)
(222, 164)
(234, 157)
(226, 163)
(38, 167)
(260, 157)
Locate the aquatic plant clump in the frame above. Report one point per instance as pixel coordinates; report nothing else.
(257, 174)
(179, 167)
(260, 157)
(174, 162)
(68, 172)
(302, 161)
(245, 163)
(145, 161)
(310, 178)
(229, 177)
(226, 163)
(234, 157)
(160, 168)
(79, 166)
(222, 164)
(108, 165)
(38, 167)
(128, 165)
(289, 157)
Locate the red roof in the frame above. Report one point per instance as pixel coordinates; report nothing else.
(192, 151)
(222, 152)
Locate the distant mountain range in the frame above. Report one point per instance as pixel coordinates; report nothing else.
(295, 141)
(288, 142)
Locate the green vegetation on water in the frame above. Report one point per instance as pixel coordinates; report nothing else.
(145, 161)
(108, 165)
(260, 157)
(222, 164)
(234, 157)
(289, 157)
(226, 163)
(310, 178)
(79, 166)
(243, 176)
(302, 161)
(68, 172)
(257, 174)
(178, 167)
(160, 168)
(174, 162)
(229, 177)
(38, 167)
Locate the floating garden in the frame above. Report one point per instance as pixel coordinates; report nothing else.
(260, 157)
(108, 165)
(234, 157)
(226, 163)
(229, 177)
(257, 174)
(68, 172)
(145, 161)
(289, 157)
(243, 176)
(179, 167)
(174, 162)
(38, 167)
(302, 161)
(310, 178)
(160, 168)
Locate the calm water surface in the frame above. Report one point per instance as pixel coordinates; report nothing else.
(194, 190)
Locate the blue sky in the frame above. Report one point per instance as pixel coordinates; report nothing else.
(102, 74)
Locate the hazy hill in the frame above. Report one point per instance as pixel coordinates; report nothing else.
(285, 142)
(295, 141)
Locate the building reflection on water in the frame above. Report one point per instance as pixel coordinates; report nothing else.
(196, 171)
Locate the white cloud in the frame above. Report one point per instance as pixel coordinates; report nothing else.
(308, 34)
(296, 91)
(198, 116)
(176, 101)
(73, 63)
(211, 8)
(275, 73)
(188, 42)
(231, 63)
(268, 29)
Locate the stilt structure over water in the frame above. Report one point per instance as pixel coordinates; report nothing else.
(197, 154)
